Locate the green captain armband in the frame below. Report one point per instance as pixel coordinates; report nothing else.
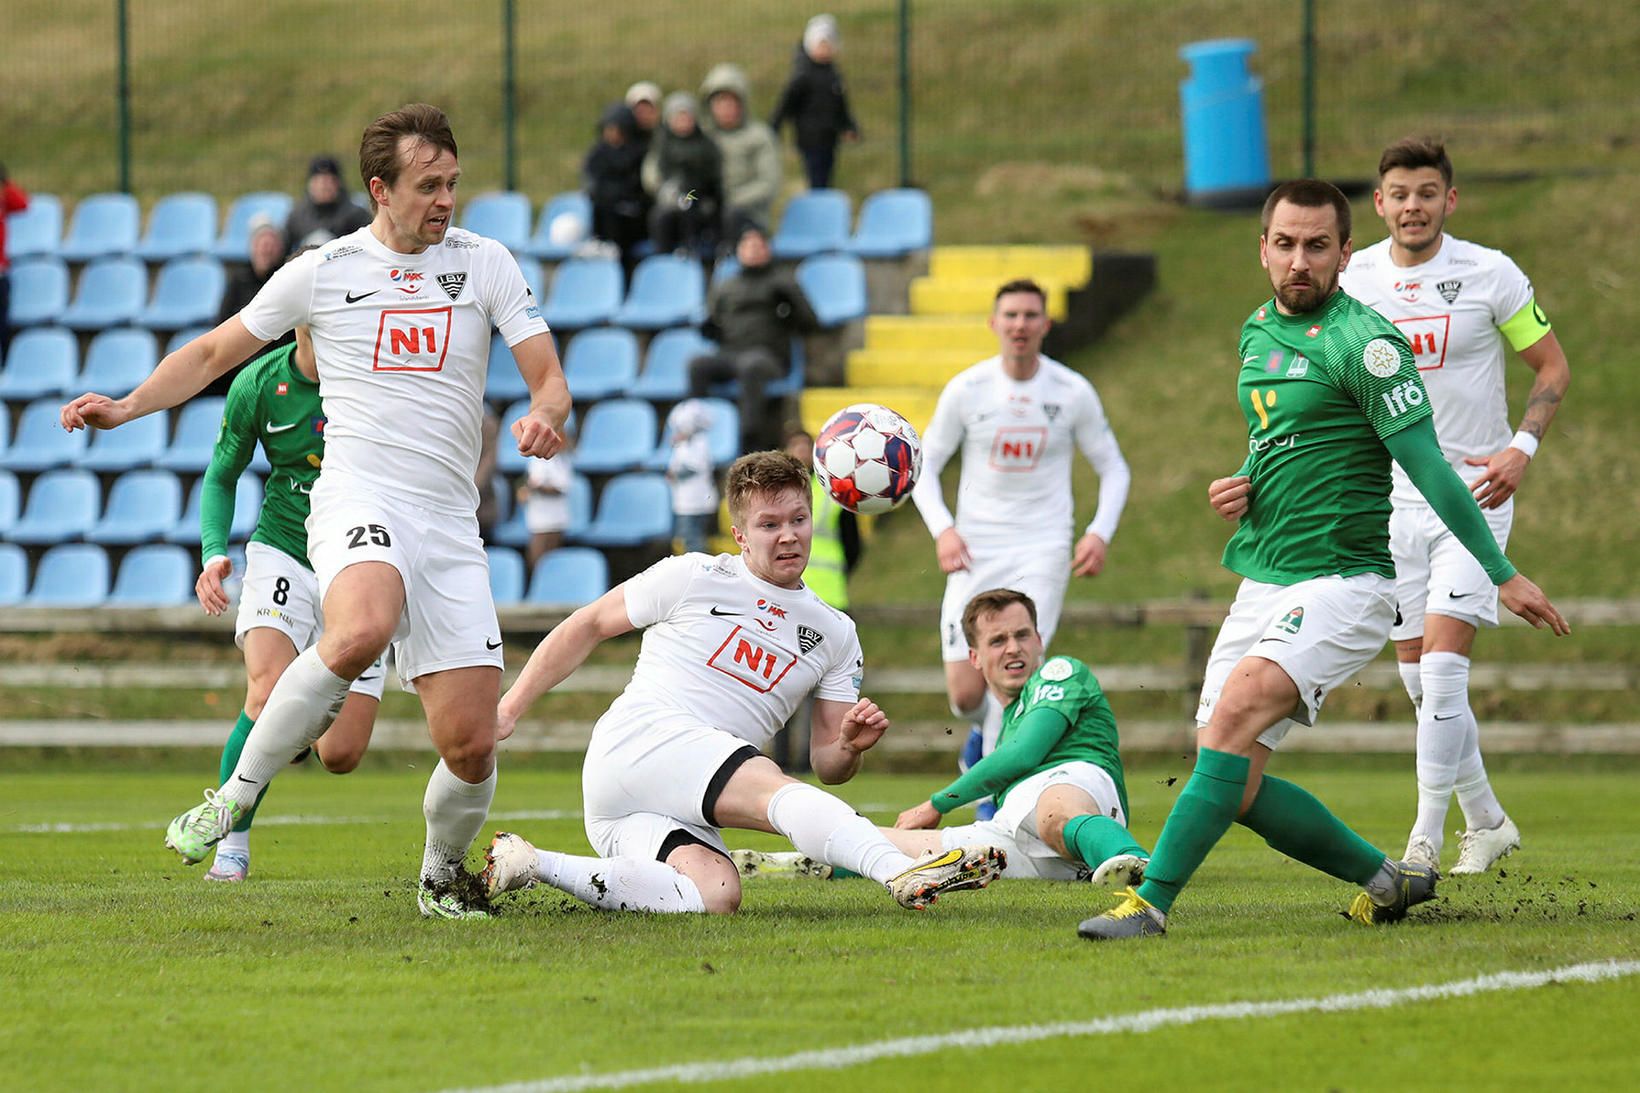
(1526, 327)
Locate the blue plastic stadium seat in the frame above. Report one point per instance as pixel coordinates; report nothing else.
(569, 577)
(13, 574)
(11, 501)
(722, 437)
(180, 225)
(41, 442)
(617, 436)
(601, 363)
(635, 509)
(42, 361)
(893, 223)
(585, 292)
(813, 223)
(503, 216)
(836, 287)
(666, 291)
(62, 506)
(37, 231)
(111, 292)
(728, 266)
(506, 574)
(534, 277)
(665, 376)
(70, 575)
(503, 382)
(156, 575)
(195, 437)
(39, 291)
(117, 361)
(142, 507)
(234, 244)
(247, 506)
(541, 244)
(183, 337)
(188, 292)
(133, 445)
(103, 225)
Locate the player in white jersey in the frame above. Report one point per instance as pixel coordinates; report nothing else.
(731, 646)
(400, 313)
(1015, 418)
(1460, 305)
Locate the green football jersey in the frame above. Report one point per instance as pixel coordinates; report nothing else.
(270, 402)
(1068, 687)
(1320, 392)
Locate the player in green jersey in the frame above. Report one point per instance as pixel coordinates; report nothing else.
(275, 401)
(1331, 394)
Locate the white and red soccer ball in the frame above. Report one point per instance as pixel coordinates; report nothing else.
(868, 458)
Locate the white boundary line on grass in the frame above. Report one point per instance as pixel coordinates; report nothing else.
(1145, 1021)
(275, 821)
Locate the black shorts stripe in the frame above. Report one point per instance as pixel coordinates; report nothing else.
(714, 788)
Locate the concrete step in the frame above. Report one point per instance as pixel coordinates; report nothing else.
(975, 296)
(1070, 265)
(969, 334)
(915, 404)
(931, 368)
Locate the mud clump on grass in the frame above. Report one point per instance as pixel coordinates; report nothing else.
(468, 887)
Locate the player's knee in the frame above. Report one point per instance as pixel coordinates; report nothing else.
(721, 896)
(256, 697)
(349, 650)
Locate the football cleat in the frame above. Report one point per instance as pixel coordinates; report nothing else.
(441, 902)
(1414, 884)
(203, 826)
(1133, 917)
(509, 864)
(1421, 852)
(1122, 871)
(952, 871)
(779, 863)
(1480, 850)
(230, 865)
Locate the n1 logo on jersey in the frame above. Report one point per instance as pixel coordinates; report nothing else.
(751, 660)
(1018, 448)
(1427, 334)
(412, 340)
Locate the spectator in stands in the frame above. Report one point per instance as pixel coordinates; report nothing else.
(684, 170)
(644, 100)
(752, 316)
(689, 473)
(836, 548)
(544, 493)
(13, 199)
(815, 103)
(327, 212)
(613, 176)
(267, 254)
(751, 155)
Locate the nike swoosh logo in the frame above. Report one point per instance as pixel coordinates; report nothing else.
(247, 781)
(1250, 358)
(492, 644)
(272, 428)
(1448, 717)
(1283, 641)
(1456, 595)
(352, 299)
(715, 611)
(367, 679)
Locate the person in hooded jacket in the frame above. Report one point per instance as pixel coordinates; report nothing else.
(684, 170)
(612, 174)
(751, 155)
(327, 212)
(816, 103)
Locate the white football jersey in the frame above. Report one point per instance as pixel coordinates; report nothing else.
(732, 650)
(403, 348)
(1450, 308)
(1016, 439)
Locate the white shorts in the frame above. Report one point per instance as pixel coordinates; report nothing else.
(279, 593)
(1040, 574)
(1435, 574)
(644, 780)
(449, 617)
(1321, 632)
(1013, 828)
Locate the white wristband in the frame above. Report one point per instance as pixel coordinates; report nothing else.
(213, 559)
(1526, 442)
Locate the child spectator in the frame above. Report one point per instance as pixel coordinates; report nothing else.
(689, 473)
(815, 102)
(544, 493)
(684, 171)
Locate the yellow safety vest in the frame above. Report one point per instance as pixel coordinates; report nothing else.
(826, 575)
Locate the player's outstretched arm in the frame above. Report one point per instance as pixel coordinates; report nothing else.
(541, 431)
(840, 733)
(179, 377)
(1528, 601)
(563, 651)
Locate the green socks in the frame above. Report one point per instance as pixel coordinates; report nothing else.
(1200, 817)
(1096, 839)
(1299, 826)
(230, 759)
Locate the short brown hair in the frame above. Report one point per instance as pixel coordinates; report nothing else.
(379, 149)
(990, 602)
(1411, 153)
(768, 473)
(1020, 284)
(1308, 193)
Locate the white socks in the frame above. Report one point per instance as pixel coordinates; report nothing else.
(1448, 739)
(826, 829)
(620, 884)
(455, 811)
(300, 708)
(990, 724)
(235, 842)
(1412, 679)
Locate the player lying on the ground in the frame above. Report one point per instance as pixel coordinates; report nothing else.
(1056, 773)
(731, 645)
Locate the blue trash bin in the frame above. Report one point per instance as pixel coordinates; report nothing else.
(1226, 151)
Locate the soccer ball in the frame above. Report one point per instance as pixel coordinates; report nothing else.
(868, 458)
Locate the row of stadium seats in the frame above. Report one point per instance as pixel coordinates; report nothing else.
(891, 223)
(114, 292)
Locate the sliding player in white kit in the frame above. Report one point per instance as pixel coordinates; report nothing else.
(1458, 304)
(1015, 418)
(732, 644)
(400, 313)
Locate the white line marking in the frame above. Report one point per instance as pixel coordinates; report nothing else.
(1146, 1021)
(277, 821)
